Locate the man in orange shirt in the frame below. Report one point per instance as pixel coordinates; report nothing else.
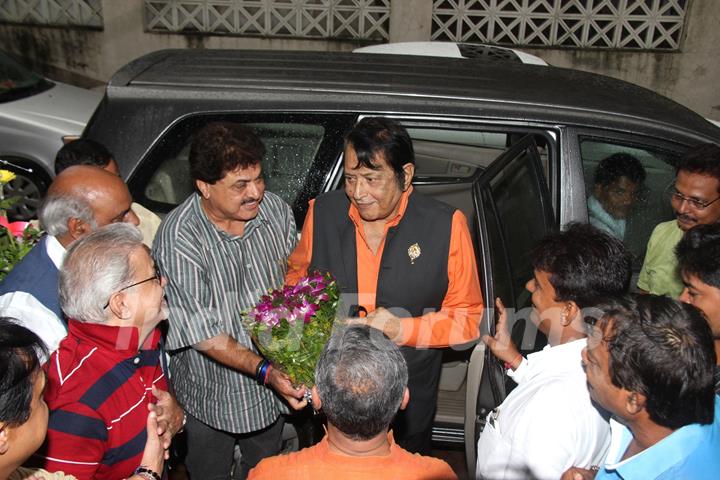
(403, 259)
(360, 383)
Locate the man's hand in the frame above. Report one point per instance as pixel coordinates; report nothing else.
(380, 319)
(282, 385)
(155, 452)
(501, 345)
(169, 415)
(577, 473)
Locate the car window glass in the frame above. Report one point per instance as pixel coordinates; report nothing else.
(442, 154)
(517, 211)
(301, 149)
(290, 149)
(623, 208)
(17, 81)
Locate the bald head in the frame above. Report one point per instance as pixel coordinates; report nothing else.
(82, 198)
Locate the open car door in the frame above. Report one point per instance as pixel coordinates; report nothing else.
(514, 211)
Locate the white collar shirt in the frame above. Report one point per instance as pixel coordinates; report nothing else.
(547, 424)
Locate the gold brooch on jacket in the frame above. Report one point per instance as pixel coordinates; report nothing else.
(414, 252)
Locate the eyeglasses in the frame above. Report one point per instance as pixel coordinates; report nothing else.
(693, 202)
(156, 276)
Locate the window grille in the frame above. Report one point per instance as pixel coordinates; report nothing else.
(341, 19)
(78, 13)
(614, 24)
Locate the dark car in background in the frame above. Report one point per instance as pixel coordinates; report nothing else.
(514, 146)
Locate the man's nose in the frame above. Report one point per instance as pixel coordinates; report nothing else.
(359, 190)
(685, 296)
(132, 218)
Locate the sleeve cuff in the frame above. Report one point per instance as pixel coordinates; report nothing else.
(519, 374)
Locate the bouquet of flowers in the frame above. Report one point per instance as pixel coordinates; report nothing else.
(290, 326)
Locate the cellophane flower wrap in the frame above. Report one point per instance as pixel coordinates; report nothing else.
(290, 326)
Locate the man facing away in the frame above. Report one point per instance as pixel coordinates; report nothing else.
(649, 362)
(694, 198)
(548, 423)
(360, 383)
(221, 249)
(106, 374)
(405, 259)
(618, 181)
(698, 256)
(80, 200)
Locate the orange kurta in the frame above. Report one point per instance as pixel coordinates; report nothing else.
(457, 321)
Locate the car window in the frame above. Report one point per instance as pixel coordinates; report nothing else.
(453, 155)
(516, 213)
(628, 209)
(18, 82)
(447, 158)
(299, 153)
(290, 150)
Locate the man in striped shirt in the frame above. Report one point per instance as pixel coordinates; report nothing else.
(105, 376)
(221, 249)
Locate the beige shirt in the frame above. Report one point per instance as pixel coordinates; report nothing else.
(149, 223)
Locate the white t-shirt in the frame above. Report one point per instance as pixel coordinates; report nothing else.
(547, 424)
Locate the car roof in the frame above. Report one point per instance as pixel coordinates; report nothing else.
(521, 91)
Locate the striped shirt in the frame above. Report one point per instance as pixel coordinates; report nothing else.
(99, 385)
(213, 277)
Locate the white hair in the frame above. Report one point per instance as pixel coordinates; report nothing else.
(58, 208)
(95, 267)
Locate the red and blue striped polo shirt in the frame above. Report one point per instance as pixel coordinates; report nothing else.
(99, 385)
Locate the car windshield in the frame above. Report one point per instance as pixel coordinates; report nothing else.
(17, 81)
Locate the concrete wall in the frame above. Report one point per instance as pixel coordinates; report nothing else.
(89, 57)
(690, 77)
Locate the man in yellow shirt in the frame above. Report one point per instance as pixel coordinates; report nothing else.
(694, 198)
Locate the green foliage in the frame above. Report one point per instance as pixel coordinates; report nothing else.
(12, 249)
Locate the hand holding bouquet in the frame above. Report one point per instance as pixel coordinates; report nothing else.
(290, 326)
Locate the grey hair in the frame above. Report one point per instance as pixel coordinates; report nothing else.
(94, 268)
(361, 377)
(58, 208)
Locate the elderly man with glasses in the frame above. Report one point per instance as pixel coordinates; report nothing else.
(106, 376)
(694, 198)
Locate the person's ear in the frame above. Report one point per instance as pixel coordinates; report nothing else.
(316, 401)
(570, 311)
(634, 402)
(203, 188)
(409, 169)
(78, 228)
(4, 444)
(405, 400)
(119, 306)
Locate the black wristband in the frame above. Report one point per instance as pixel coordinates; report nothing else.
(146, 472)
(259, 366)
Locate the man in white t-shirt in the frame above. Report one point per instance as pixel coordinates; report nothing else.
(548, 423)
